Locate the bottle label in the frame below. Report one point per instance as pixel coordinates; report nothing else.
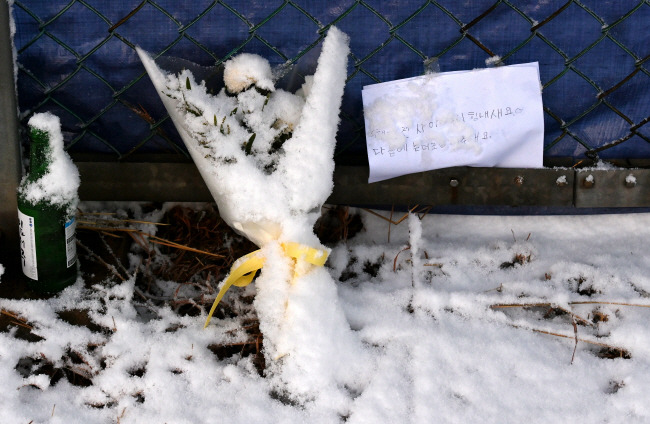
(71, 241)
(27, 245)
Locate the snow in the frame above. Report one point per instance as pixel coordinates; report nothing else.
(60, 184)
(245, 70)
(453, 319)
(440, 319)
(434, 346)
(493, 60)
(601, 165)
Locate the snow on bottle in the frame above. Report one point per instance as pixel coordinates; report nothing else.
(47, 201)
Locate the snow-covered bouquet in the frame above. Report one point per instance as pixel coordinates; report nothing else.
(267, 157)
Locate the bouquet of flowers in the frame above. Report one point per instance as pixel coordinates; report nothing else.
(267, 157)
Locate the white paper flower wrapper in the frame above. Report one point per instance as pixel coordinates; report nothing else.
(300, 316)
(303, 178)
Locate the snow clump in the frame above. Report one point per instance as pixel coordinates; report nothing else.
(60, 183)
(245, 70)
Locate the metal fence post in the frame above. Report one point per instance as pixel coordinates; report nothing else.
(10, 167)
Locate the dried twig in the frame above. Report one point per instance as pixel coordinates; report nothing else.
(115, 222)
(16, 319)
(390, 219)
(117, 260)
(140, 241)
(565, 336)
(149, 296)
(96, 257)
(595, 302)
(586, 302)
(168, 243)
(498, 289)
(544, 305)
(575, 334)
(396, 256)
(121, 415)
(574, 319)
(575, 316)
(105, 226)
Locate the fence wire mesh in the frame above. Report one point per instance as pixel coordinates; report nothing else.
(76, 59)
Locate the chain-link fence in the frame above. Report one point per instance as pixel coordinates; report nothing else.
(76, 58)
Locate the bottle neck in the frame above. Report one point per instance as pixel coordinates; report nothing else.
(39, 158)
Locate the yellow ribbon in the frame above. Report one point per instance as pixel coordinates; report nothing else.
(243, 269)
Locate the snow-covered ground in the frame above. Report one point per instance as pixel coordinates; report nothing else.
(439, 343)
(437, 319)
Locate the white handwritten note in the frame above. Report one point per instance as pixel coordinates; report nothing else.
(486, 117)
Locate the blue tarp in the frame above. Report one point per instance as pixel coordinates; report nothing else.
(76, 59)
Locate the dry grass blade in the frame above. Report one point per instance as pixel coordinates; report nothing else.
(607, 348)
(16, 319)
(139, 239)
(573, 315)
(95, 217)
(497, 289)
(143, 114)
(97, 213)
(106, 233)
(574, 337)
(168, 243)
(595, 302)
(9, 314)
(22, 324)
(390, 219)
(135, 221)
(423, 212)
(109, 226)
(575, 334)
(98, 258)
(519, 305)
(586, 302)
(111, 230)
(565, 336)
(116, 223)
(111, 252)
(396, 256)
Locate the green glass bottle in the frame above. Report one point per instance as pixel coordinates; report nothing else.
(46, 210)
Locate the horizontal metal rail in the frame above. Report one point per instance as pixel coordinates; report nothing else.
(554, 187)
